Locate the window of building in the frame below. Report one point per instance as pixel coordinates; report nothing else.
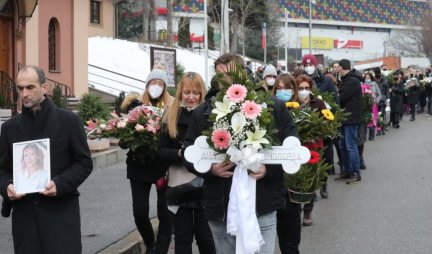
(54, 45)
(95, 12)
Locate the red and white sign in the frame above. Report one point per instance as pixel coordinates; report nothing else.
(348, 44)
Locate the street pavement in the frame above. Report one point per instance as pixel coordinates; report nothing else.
(388, 212)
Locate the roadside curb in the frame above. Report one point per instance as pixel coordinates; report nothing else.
(131, 243)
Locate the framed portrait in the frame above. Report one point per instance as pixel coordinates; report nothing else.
(165, 59)
(31, 166)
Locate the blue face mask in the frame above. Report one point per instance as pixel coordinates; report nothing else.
(284, 94)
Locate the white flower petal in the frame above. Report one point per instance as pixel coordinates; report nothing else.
(238, 121)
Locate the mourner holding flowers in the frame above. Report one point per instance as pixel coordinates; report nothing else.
(184, 201)
(143, 171)
(258, 233)
(314, 122)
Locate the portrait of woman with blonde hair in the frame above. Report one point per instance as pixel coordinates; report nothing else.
(32, 176)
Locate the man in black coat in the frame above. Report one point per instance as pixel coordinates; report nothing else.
(396, 98)
(270, 193)
(350, 95)
(48, 221)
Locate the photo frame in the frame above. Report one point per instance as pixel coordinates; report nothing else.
(31, 166)
(167, 59)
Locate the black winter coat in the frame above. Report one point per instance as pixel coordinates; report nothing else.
(396, 97)
(413, 94)
(148, 171)
(383, 86)
(324, 84)
(270, 191)
(168, 151)
(350, 96)
(56, 220)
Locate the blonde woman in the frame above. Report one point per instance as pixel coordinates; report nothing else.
(32, 176)
(142, 174)
(189, 219)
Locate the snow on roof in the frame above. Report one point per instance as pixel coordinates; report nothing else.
(118, 65)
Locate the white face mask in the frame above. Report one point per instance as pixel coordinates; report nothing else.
(367, 80)
(303, 94)
(155, 91)
(310, 69)
(270, 81)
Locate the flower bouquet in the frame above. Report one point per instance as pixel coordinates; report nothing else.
(367, 102)
(312, 127)
(410, 83)
(240, 117)
(426, 82)
(241, 126)
(380, 122)
(303, 184)
(139, 129)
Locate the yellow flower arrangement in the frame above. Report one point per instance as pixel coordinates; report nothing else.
(292, 104)
(328, 114)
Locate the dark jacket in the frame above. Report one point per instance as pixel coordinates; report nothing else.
(324, 84)
(384, 88)
(413, 94)
(168, 153)
(350, 96)
(270, 193)
(56, 220)
(148, 171)
(316, 104)
(396, 97)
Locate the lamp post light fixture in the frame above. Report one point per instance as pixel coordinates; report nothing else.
(25, 11)
(26, 8)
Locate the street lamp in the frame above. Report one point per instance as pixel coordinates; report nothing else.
(26, 8)
(286, 39)
(310, 25)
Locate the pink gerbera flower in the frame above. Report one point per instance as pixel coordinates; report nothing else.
(236, 93)
(221, 138)
(251, 109)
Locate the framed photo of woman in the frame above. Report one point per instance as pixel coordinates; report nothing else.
(164, 58)
(31, 166)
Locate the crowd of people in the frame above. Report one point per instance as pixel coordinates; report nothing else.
(202, 213)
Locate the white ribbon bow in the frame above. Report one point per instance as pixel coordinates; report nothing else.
(242, 221)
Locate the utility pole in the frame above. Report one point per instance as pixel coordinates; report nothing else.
(310, 25)
(224, 27)
(206, 79)
(286, 40)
